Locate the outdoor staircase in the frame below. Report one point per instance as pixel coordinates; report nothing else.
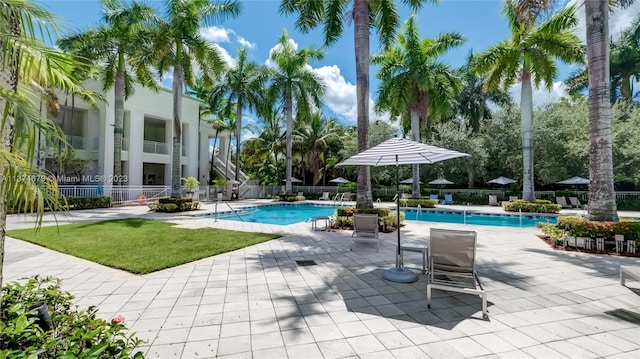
(228, 170)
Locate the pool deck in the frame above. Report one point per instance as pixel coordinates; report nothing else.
(256, 302)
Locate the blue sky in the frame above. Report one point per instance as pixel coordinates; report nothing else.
(260, 25)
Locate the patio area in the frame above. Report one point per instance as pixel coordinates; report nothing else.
(258, 302)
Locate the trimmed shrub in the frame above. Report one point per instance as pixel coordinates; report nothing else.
(552, 231)
(288, 197)
(89, 202)
(391, 220)
(580, 227)
(414, 202)
(70, 333)
(182, 204)
(539, 206)
(349, 211)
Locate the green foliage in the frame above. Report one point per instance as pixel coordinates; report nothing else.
(414, 202)
(288, 197)
(349, 211)
(391, 220)
(552, 231)
(139, 245)
(75, 333)
(191, 184)
(175, 205)
(580, 227)
(574, 226)
(89, 202)
(539, 206)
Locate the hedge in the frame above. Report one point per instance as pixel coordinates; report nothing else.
(349, 211)
(288, 197)
(89, 202)
(171, 205)
(539, 206)
(580, 227)
(414, 202)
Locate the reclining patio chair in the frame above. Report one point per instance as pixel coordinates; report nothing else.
(513, 198)
(493, 200)
(346, 196)
(365, 229)
(448, 199)
(325, 196)
(452, 264)
(434, 197)
(563, 202)
(575, 202)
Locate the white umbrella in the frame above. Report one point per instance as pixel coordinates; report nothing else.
(408, 181)
(574, 181)
(442, 181)
(293, 180)
(400, 151)
(502, 181)
(340, 180)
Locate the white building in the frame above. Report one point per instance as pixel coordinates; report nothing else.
(146, 144)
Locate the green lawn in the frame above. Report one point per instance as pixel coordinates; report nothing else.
(139, 245)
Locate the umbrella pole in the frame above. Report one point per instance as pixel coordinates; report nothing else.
(398, 273)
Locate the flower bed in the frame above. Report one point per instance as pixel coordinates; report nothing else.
(573, 232)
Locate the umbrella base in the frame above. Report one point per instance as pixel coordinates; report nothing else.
(399, 275)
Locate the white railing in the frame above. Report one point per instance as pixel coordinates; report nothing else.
(125, 144)
(161, 148)
(222, 169)
(118, 194)
(76, 142)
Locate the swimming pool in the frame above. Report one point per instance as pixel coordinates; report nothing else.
(486, 219)
(281, 214)
(285, 214)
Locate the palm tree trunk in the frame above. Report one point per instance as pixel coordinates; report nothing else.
(238, 134)
(415, 135)
(213, 156)
(625, 88)
(178, 80)
(526, 113)
(602, 199)
(288, 108)
(364, 199)
(119, 122)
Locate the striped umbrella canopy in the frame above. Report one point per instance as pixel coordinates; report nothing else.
(400, 151)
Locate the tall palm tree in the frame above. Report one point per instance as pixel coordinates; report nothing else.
(113, 44)
(293, 84)
(25, 60)
(528, 56)
(414, 85)
(178, 44)
(602, 199)
(242, 86)
(381, 15)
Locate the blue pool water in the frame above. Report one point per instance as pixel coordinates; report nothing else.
(280, 214)
(285, 214)
(487, 219)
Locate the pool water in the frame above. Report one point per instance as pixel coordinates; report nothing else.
(487, 219)
(285, 214)
(280, 214)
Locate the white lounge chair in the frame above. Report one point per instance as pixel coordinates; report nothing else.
(452, 264)
(325, 196)
(365, 229)
(493, 200)
(575, 202)
(563, 202)
(346, 196)
(629, 272)
(513, 198)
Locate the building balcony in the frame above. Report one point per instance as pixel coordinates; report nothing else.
(160, 148)
(77, 142)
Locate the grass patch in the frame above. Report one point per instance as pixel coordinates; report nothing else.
(139, 245)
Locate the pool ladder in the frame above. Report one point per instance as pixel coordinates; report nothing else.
(228, 205)
(418, 211)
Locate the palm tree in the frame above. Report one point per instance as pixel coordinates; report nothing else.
(413, 84)
(242, 86)
(177, 44)
(27, 61)
(529, 56)
(113, 44)
(381, 15)
(293, 84)
(315, 137)
(602, 199)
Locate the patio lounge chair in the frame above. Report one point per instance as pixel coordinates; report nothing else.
(563, 202)
(346, 196)
(325, 196)
(301, 194)
(452, 264)
(493, 200)
(513, 198)
(434, 197)
(365, 225)
(575, 202)
(629, 272)
(448, 199)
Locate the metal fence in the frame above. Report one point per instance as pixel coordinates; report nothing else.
(119, 194)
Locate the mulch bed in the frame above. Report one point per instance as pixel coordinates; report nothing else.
(557, 247)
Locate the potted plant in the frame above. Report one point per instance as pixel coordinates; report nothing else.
(191, 185)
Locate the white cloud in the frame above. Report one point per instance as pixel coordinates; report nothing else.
(216, 34)
(246, 43)
(619, 19)
(341, 94)
(541, 96)
(224, 54)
